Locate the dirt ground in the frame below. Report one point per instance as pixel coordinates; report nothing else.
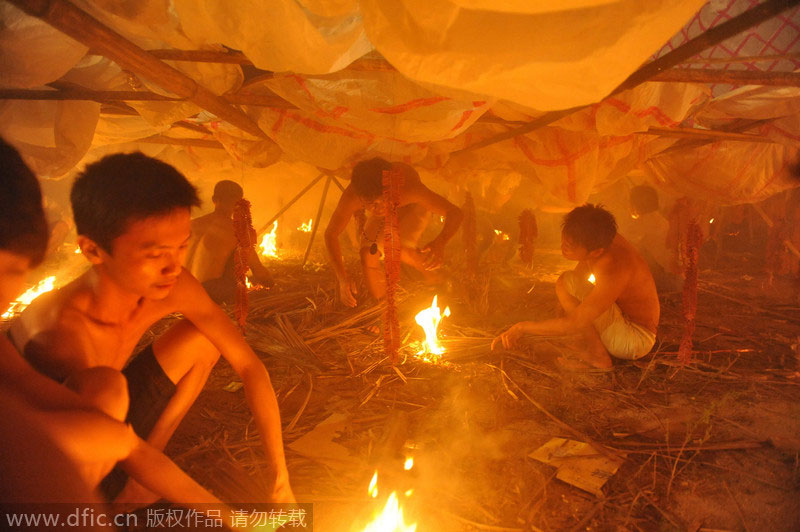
(713, 445)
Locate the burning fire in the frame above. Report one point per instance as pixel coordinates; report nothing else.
(501, 234)
(409, 463)
(429, 320)
(391, 518)
(269, 243)
(77, 250)
(17, 306)
(591, 278)
(305, 227)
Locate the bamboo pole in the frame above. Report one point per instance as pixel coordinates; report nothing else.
(710, 37)
(731, 77)
(291, 202)
(66, 17)
(731, 60)
(696, 133)
(317, 219)
(197, 143)
(201, 56)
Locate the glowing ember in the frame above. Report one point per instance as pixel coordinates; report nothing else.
(429, 320)
(305, 227)
(45, 285)
(77, 250)
(635, 216)
(711, 221)
(409, 463)
(501, 234)
(269, 243)
(409, 493)
(373, 486)
(591, 278)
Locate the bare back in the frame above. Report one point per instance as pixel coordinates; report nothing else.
(638, 298)
(213, 241)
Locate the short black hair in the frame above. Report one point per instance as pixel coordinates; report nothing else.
(644, 199)
(122, 188)
(367, 180)
(23, 228)
(227, 190)
(590, 226)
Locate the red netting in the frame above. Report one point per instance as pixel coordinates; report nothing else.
(778, 36)
(245, 240)
(392, 181)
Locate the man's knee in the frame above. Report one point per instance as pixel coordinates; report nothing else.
(182, 348)
(104, 388)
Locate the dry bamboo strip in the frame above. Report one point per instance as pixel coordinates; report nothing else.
(66, 17)
(730, 77)
(302, 408)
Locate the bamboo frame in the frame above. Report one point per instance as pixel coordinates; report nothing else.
(732, 77)
(711, 37)
(66, 17)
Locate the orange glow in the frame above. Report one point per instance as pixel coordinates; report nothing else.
(501, 234)
(77, 250)
(409, 463)
(305, 227)
(247, 283)
(591, 279)
(269, 243)
(711, 221)
(17, 306)
(635, 216)
(429, 320)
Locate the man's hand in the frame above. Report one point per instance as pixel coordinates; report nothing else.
(434, 255)
(509, 338)
(347, 292)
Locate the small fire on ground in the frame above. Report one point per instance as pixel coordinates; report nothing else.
(390, 519)
(269, 243)
(592, 279)
(305, 227)
(17, 306)
(429, 320)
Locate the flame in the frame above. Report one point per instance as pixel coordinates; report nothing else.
(391, 518)
(501, 234)
(247, 283)
(711, 221)
(409, 463)
(429, 320)
(591, 278)
(373, 486)
(305, 227)
(77, 250)
(17, 306)
(269, 243)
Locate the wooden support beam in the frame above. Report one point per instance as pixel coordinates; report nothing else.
(704, 134)
(711, 37)
(66, 17)
(196, 143)
(731, 77)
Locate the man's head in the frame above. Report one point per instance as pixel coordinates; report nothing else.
(644, 200)
(587, 230)
(132, 214)
(23, 229)
(226, 194)
(367, 180)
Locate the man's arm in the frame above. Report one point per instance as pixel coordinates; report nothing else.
(347, 206)
(437, 204)
(209, 318)
(261, 274)
(607, 289)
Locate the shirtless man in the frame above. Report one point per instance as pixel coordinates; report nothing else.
(211, 250)
(416, 202)
(56, 444)
(132, 214)
(618, 314)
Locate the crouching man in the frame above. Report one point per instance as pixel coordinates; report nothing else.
(132, 214)
(610, 297)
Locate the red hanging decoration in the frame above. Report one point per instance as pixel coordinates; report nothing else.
(469, 233)
(528, 233)
(691, 251)
(392, 182)
(245, 240)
